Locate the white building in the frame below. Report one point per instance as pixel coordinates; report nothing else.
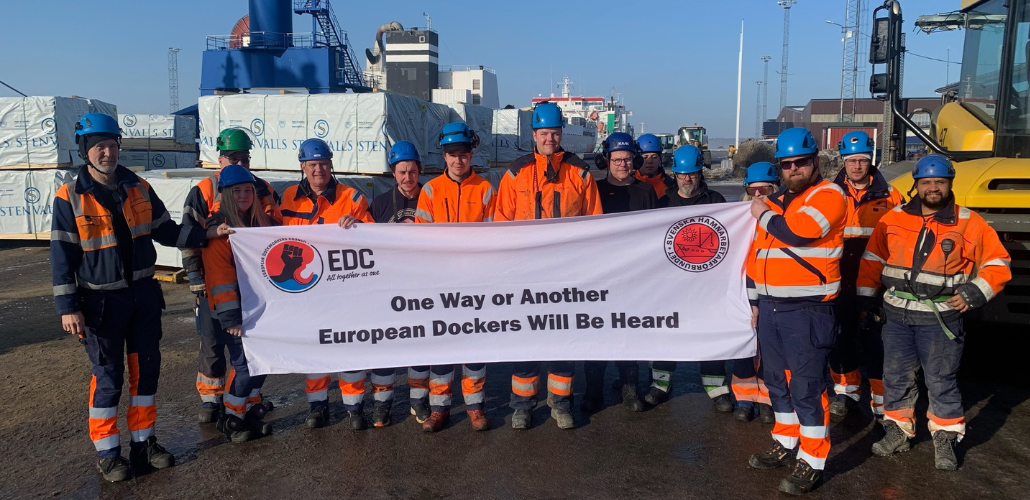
(480, 81)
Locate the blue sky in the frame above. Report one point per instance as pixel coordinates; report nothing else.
(674, 62)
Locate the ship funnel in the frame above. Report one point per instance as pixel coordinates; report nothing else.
(271, 22)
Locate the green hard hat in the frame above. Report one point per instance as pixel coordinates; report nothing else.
(233, 139)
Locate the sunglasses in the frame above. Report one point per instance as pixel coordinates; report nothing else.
(239, 159)
(799, 163)
(761, 190)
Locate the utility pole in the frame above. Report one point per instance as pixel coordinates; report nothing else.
(641, 127)
(173, 79)
(740, 67)
(765, 89)
(758, 111)
(786, 4)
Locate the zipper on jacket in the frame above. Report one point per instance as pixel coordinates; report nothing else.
(539, 204)
(557, 204)
(447, 209)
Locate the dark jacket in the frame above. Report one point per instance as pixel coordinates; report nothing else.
(704, 196)
(635, 196)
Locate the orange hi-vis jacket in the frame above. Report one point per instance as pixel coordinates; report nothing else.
(865, 207)
(223, 291)
(906, 254)
(204, 200)
(661, 182)
(445, 200)
(301, 207)
(541, 187)
(795, 256)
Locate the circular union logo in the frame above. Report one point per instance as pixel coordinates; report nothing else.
(292, 265)
(257, 126)
(48, 126)
(321, 129)
(696, 244)
(32, 195)
(129, 120)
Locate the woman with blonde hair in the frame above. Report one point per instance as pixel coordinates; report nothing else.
(244, 412)
(747, 382)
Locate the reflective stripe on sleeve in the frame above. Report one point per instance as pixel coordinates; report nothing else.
(873, 257)
(64, 289)
(858, 231)
(984, 287)
(228, 287)
(64, 236)
(816, 252)
(820, 219)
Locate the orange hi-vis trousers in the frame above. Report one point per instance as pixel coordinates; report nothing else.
(434, 384)
(352, 387)
(123, 327)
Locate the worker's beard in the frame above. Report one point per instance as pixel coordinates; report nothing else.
(800, 183)
(689, 191)
(935, 200)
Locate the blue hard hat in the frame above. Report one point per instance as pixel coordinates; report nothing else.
(618, 141)
(855, 142)
(649, 143)
(762, 171)
(547, 115)
(797, 141)
(933, 165)
(314, 149)
(404, 151)
(458, 134)
(232, 175)
(687, 159)
(96, 123)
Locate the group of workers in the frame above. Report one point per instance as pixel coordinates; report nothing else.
(842, 274)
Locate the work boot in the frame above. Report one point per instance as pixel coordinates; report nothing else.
(722, 403)
(839, 407)
(944, 450)
(521, 419)
(478, 420)
(765, 414)
(630, 399)
(381, 416)
(356, 419)
(777, 456)
(743, 413)
(149, 454)
(656, 396)
(234, 429)
(420, 411)
(895, 441)
(563, 418)
(801, 480)
(209, 413)
(114, 469)
(267, 404)
(630, 375)
(436, 421)
(252, 420)
(318, 417)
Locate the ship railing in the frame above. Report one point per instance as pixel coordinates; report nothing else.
(266, 40)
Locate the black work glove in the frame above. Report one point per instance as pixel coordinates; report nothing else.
(870, 313)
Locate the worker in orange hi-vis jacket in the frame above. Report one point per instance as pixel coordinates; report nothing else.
(547, 183)
(320, 199)
(936, 260)
(869, 197)
(202, 202)
(457, 195)
(243, 411)
(796, 275)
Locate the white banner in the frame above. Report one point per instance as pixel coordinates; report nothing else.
(658, 285)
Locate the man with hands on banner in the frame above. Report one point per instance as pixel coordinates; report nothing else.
(102, 264)
(620, 192)
(548, 183)
(243, 411)
(796, 275)
(320, 199)
(203, 201)
(457, 195)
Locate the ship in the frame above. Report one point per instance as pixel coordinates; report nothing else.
(588, 119)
